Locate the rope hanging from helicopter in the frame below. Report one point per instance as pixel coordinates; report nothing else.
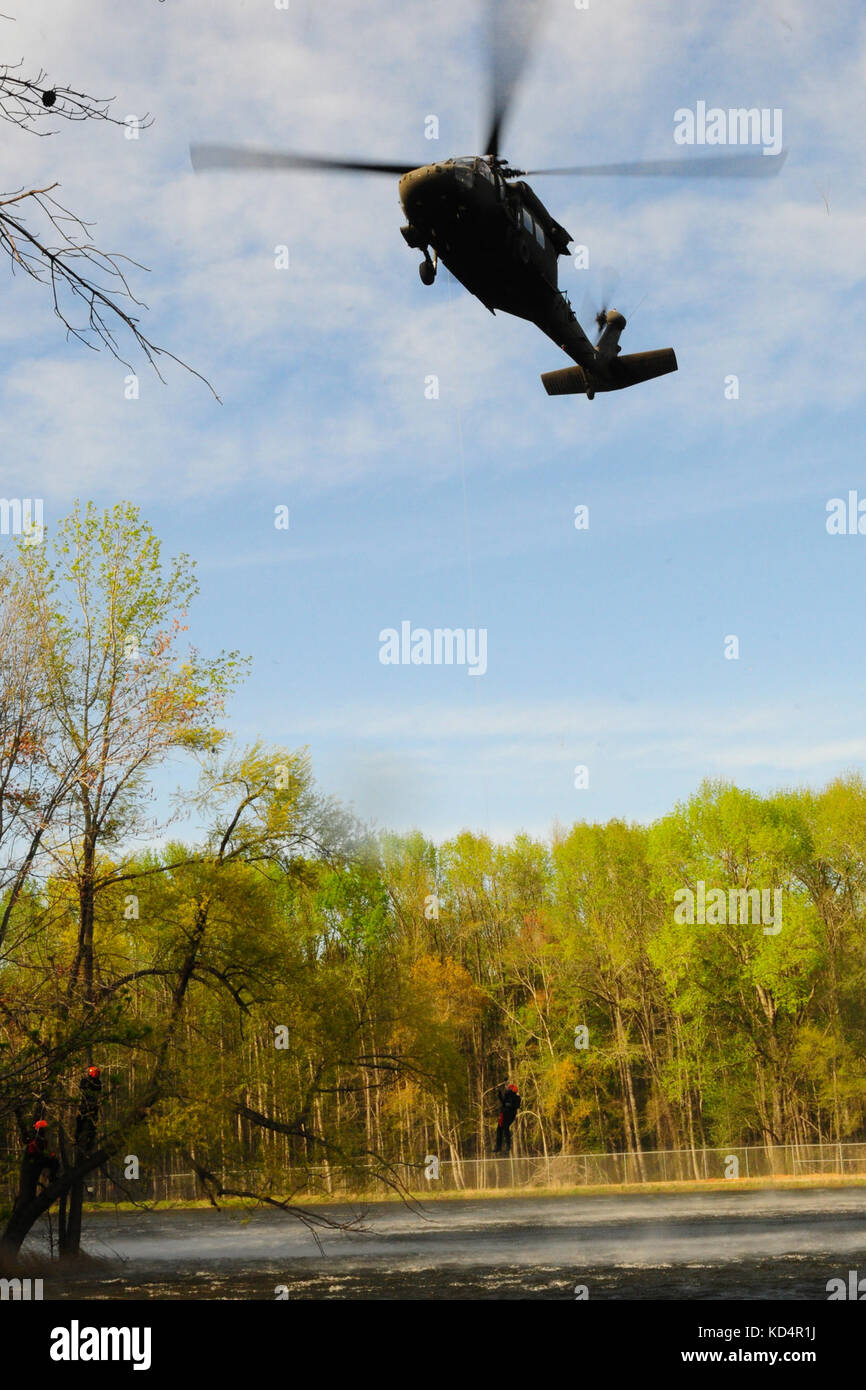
(466, 527)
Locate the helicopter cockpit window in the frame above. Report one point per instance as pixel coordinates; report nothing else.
(539, 234)
(485, 170)
(527, 220)
(465, 171)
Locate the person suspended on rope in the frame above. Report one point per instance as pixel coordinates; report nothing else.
(37, 1158)
(90, 1087)
(509, 1101)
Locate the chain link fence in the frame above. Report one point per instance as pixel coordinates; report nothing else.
(651, 1166)
(511, 1171)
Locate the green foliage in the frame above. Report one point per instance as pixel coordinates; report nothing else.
(289, 996)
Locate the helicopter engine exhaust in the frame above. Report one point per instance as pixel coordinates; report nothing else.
(614, 375)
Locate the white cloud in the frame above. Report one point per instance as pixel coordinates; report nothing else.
(321, 368)
(731, 278)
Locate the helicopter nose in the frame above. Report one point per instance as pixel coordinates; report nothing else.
(421, 187)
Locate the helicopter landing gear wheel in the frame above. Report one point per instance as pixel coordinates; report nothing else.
(427, 271)
(590, 395)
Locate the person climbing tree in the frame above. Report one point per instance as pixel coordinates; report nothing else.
(37, 1158)
(90, 1087)
(69, 1222)
(509, 1101)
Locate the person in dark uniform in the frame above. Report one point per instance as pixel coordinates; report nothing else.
(509, 1102)
(38, 1158)
(90, 1087)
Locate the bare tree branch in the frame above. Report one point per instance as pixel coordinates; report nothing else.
(55, 266)
(30, 102)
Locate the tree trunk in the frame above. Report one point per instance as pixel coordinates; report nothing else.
(71, 1238)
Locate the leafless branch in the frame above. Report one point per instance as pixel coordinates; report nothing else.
(55, 266)
(31, 102)
(312, 1220)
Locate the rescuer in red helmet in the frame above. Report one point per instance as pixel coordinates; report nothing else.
(90, 1087)
(509, 1101)
(38, 1158)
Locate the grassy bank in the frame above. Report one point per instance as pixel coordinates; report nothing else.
(428, 1195)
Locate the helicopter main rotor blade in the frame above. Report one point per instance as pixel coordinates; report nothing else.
(511, 26)
(721, 166)
(237, 157)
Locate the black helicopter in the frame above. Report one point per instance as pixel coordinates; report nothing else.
(494, 234)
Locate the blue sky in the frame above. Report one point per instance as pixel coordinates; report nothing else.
(707, 516)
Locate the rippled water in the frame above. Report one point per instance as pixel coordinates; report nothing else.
(768, 1245)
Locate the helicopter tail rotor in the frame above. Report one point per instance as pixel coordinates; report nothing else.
(597, 297)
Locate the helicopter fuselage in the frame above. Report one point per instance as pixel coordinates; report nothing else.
(497, 238)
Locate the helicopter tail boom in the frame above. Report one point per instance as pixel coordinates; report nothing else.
(614, 375)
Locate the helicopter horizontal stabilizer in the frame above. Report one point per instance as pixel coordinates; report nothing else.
(613, 376)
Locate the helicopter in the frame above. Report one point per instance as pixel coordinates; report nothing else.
(479, 217)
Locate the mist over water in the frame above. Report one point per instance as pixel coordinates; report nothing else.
(768, 1245)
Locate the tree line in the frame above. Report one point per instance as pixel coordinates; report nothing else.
(285, 996)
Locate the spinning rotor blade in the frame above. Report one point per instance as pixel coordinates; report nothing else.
(598, 296)
(237, 157)
(720, 166)
(511, 26)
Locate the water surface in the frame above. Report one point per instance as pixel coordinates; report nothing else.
(755, 1245)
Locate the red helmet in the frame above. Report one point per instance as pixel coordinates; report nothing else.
(93, 1071)
(41, 1124)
